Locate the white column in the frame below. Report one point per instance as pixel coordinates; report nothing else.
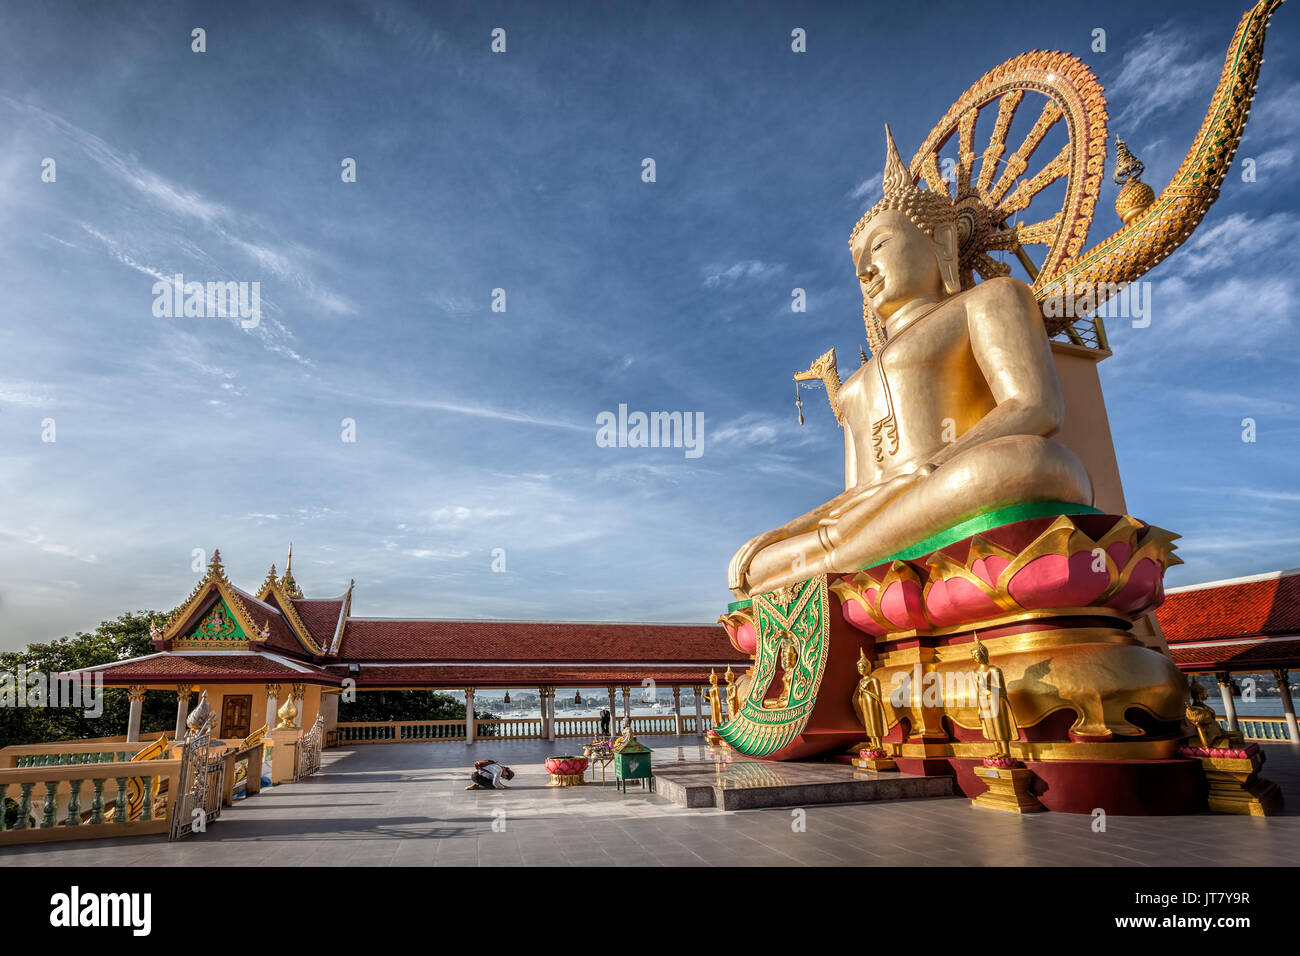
(135, 693)
(1288, 705)
(677, 709)
(541, 712)
(699, 711)
(613, 712)
(182, 710)
(550, 712)
(299, 693)
(1229, 708)
(471, 723)
(627, 702)
(272, 705)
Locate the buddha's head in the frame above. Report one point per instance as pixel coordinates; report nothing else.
(905, 246)
(979, 653)
(864, 663)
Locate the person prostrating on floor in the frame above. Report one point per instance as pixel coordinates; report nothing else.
(490, 775)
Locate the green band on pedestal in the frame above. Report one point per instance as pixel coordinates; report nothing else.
(986, 522)
(971, 526)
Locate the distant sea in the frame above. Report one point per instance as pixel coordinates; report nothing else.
(1259, 707)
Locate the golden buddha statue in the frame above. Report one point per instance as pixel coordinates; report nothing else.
(1211, 735)
(869, 703)
(733, 694)
(788, 656)
(950, 418)
(715, 701)
(997, 720)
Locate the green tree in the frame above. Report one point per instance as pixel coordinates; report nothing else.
(120, 639)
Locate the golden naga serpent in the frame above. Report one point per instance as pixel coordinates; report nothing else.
(990, 188)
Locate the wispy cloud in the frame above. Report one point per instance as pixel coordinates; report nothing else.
(748, 269)
(26, 394)
(461, 408)
(1162, 70)
(866, 189)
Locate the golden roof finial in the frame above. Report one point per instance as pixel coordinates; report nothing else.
(286, 581)
(216, 558)
(1127, 166)
(1134, 195)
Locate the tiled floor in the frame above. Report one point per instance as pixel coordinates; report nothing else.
(405, 804)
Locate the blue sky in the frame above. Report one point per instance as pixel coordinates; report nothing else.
(475, 171)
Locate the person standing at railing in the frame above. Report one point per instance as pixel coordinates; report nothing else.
(604, 722)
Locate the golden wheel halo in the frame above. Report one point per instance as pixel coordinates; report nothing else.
(989, 198)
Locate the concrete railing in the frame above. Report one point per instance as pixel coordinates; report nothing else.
(65, 752)
(83, 801)
(397, 731)
(509, 728)
(504, 728)
(1260, 728)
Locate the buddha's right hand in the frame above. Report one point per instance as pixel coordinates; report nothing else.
(740, 561)
(886, 490)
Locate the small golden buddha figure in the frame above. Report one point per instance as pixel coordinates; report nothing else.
(950, 418)
(715, 700)
(787, 656)
(869, 704)
(1211, 735)
(997, 720)
(733, 695)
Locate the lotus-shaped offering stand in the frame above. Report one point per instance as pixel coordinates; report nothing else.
(566, 771)
(874, 758)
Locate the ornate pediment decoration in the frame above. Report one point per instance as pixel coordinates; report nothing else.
(213, 616)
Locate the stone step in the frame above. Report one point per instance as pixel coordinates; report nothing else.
(742, 784)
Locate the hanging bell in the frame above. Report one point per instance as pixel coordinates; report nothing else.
(798, 402)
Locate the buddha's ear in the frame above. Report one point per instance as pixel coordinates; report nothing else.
(945, 238)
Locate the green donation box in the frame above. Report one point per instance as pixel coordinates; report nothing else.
(632, 762)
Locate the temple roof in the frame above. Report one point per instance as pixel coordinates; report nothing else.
(321, 618)
(1239, 623)
(285, 636)
(211, 666)
(585, 642)
(1266, 604)
(522, 675)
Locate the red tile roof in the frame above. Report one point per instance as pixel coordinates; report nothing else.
(264, 612)
(1243, 608)
(373, 639)
(321, 618)
(207, 667)
(1262, 655)
(471, 675)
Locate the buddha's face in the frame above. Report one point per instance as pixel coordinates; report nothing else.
(896, 262)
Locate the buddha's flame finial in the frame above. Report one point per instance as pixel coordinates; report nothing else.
(896, 177)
